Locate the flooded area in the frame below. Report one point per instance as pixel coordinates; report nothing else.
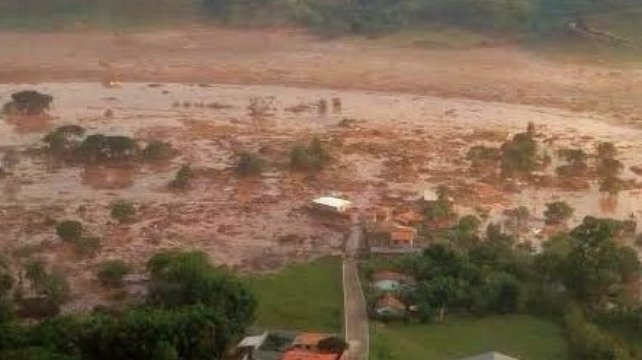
(387, 148)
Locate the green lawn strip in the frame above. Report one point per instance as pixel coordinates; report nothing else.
(521, 336)
(306, 297)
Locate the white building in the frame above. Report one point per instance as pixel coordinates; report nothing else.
(333, 204)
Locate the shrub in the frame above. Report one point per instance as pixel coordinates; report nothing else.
(87, 245)
(157, 150)
(98, 147)
(123, 211)
(183, 178)
(518, 154)
(111, 272)
(557, 212)
(69, 230)
(332, 344)
(64, 140)
(311, 158)
(28, 102)
(249, 164)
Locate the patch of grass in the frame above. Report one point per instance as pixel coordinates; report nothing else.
(521, 336)
(435, 37)
(301, 297)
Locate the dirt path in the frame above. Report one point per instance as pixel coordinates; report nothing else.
(289, 57)
(356, 317)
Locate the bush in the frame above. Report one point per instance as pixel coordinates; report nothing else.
(557, 212)
(123, 211)
(87, 245)
(157, 150)
(249, 164)
(519, 154)
(589, 342)
(28, 102)
(111, 272)
(332, 344)
(69, 230)
(64, 140)
(311, 158)
(98, 147)
(183, 178)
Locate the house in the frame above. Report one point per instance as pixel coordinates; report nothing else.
(270, 345)
(305, 355)
(390, 306)
(387, 281)
(248, 348)
(332, 204)
(489, 356)
(430, 196)
(403, 236)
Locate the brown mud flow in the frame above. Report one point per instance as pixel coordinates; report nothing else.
(387, 148)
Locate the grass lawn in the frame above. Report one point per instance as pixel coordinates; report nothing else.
(301, 297)
(521, 336)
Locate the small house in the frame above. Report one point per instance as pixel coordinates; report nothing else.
(304, 355)
(387, 281)
(489, 356)
(332, 204)
(390, 306)
(403, 236)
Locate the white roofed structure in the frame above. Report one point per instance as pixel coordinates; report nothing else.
(332, 203)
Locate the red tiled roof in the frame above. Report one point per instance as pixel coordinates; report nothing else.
(405, 235)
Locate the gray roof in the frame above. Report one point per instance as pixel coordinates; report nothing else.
(489, 356)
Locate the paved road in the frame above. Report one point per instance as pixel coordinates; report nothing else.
(356, 317)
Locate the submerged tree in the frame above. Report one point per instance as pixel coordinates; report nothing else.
(28, 102)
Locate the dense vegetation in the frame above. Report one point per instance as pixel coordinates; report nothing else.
(193, 311)
(577, 275)
(328, 16)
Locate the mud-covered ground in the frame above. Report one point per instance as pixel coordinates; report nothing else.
(387, 145)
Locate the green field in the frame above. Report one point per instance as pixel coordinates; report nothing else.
(301, 297)
(521, 336)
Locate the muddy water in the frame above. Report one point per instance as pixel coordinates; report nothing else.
(209, 123)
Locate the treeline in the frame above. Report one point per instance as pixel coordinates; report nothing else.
(193, 310)
(584, 279)
(341, 16)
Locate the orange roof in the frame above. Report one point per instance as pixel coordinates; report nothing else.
(303, 355)
(389, 300)
(405, 235)
(309, 339)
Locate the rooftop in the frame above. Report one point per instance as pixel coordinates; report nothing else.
(332, 202)
(303, 355)
(489, 356)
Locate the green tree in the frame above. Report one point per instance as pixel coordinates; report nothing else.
(188, 278)
(111, 272)
(312, 158)
(123, 211)
(28, 102)
(249, 164)
(69, 230)
(593, 263)
(558, 212)
(519, 154)
(183, 178)
(157, 150)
